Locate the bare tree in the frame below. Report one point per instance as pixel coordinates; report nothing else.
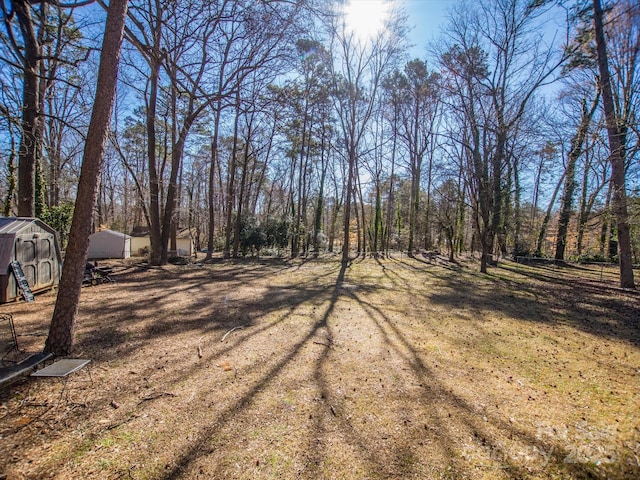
(501, 61)
(204, 51)
(468, 101)
(29, 142)
(359, 67)
(36, 51)
(61, 330)
(595, 176)
(616, 130)
(393, 99)
(575, 152)
(419, 115)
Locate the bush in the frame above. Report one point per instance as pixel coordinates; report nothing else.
(252, 235)
(277, 232)
(596, 259)
(59, 218)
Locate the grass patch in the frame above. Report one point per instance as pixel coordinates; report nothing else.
(392, 368)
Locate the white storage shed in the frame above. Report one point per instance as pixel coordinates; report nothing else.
(109, 244)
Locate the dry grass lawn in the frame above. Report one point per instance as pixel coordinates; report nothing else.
(391, 368)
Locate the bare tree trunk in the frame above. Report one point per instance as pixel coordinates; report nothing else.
(377, 220)
(99, 216)
(317, 222)
(358, 202)
(232, 180)
(243, 181)
(587, 201)
(260, 182)
(154, 181)
(11, 181)
(359, 226)
(30, 113)
(304, 236)
(339, 201)
(414, 204)
(536, 192)
(605, 230)
(212, 173)
(460, 213)
(616, 145)
(496, 225)
(174, 219)
(347, 204)
(547, 218)
(391, 197)
(61, 330)
(172, 193)
(517, 210)
(583, 212)
(295, 238)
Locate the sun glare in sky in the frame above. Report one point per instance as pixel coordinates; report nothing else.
(366, 17)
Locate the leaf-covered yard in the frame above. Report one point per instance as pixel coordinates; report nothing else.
(390, 368)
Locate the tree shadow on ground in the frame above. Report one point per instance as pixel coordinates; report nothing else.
(597, 309)
(449, 417)
(449, 411)
(200, 303)
(482, 426)
(190, 456)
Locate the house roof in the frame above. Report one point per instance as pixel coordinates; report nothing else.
(144, 232)
(140, 231)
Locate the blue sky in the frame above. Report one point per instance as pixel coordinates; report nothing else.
(426, 17)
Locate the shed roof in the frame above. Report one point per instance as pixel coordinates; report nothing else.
(186, 233)
(10, 226)
(111, 233)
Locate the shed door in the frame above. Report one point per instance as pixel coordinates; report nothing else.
(36, 254)
(45, 260)
(26, 255)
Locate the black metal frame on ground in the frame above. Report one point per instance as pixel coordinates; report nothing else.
(97, 275)
(12, 343)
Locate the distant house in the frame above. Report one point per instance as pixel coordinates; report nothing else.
(109, 244)
(33, 244)
(141, 242)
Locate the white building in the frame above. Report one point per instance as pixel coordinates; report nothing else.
(109, 244)
(141, 243)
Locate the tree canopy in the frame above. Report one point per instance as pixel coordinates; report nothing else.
(276, 127)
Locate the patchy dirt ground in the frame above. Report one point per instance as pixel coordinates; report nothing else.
(392, 368)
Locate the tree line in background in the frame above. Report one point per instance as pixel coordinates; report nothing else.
(273, 125)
